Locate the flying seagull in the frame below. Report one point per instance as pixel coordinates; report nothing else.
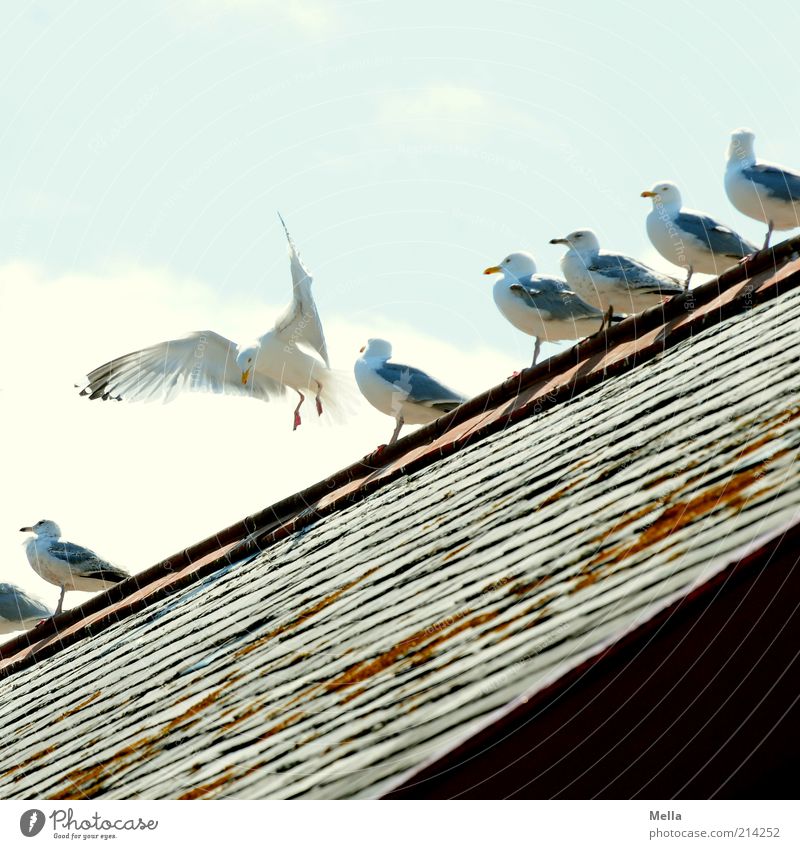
(69, 566)
(19, 611)
(541, 306)
(691, 239)
(610, 281)
(292, 354)
(407, 394)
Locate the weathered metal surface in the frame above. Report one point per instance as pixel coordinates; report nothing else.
(630, 343)
(359, 646)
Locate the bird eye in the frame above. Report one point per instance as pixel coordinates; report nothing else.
(508, 259)
(249, 359)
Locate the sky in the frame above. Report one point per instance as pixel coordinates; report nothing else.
(146, 147)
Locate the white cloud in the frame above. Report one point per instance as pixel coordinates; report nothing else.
(139, 482)
(443, 111)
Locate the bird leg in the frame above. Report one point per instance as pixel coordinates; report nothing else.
(770, 227)
(607, 316)
(61, 600)
(318, 399)
(688, 277)
(536, 348)
(297, 419)
(400, 423)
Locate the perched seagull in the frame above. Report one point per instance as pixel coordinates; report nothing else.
(18, 611)
(612, 281)
(691, 239)
(541, 306)
(205, 361)
(67, 565)
(761, 190)
(408, 394)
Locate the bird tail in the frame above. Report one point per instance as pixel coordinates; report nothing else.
(339, 396)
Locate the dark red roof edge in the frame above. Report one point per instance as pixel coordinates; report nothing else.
(259, 530)
(728, 573)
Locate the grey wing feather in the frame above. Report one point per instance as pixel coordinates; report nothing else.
(421, 387)
(636, 275)
(202, 361)
(781, 183)
(86, 563)
(549, 295)
(300, 321)
(17, 605)
(718, 238)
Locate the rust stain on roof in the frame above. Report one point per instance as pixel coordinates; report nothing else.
(304, 615)
(450, 555)
(82, 704)
(284, 723)
(210, 787)
(730, 495)
(350, 696)
(88, 781)
(28, 761)
(415, 650)
(524, 587)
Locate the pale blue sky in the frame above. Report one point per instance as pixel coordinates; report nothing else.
(146, 146)
(408, 144)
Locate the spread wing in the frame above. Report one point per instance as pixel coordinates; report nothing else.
(637, 276)
(420, 386)
(202, 361)
(717, 237)
(300, 322)
(780, 183)
(85, 563)
(17, 606)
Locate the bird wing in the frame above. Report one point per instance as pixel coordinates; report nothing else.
(780, 183)
(85, 563)
(300, 322)
(637, 276)
(717, 237)
(16, 605)
(555, 300)
(420, 387)
(202, 361)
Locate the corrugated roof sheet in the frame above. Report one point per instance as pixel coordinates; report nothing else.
(479, 561)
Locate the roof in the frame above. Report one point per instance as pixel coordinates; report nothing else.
(346, 638)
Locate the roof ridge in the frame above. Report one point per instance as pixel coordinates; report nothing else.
(631, 342)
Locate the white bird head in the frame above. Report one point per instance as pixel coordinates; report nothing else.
(378, 349)
(580, 241)
(664, 194)
(246, 360)
(741, 146)
(44, 528)
(518, 265)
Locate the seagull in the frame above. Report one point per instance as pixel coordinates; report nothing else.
(407, 394)
(18, 611)
(292, 354)
(761, 190)
(541, 306)
(608, 280)
(67, 565)
(691, 239)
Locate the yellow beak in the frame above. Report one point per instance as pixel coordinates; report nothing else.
(245, 375)
(648, 194)
(495, 269)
